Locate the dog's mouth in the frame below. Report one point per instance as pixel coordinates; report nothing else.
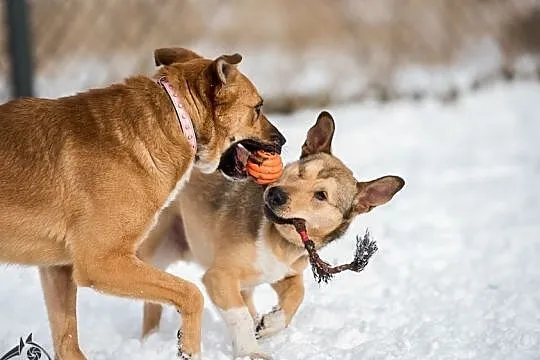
(276, 219)
(234, 160)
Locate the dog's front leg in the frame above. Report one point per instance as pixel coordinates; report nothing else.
(290, 293)
(247, 296)
(60, 294)
(149, 251)
(121, 273)
(223, 288)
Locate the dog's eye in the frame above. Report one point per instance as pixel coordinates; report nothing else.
(320, 195)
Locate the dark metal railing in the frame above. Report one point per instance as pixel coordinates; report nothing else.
(20, 47)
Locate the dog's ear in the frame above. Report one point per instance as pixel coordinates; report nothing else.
(168, 56)
(376, 192)
(223, 67)
(319, 137)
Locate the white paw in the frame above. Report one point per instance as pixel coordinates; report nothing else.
(271, 323)
(240, 324)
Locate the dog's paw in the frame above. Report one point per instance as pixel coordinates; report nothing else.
(271, 323)
(254, 356)
(186, 356)
(183, 355)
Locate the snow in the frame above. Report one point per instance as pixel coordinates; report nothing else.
(456, 275)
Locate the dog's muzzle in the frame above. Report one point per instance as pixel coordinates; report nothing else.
(276, 197)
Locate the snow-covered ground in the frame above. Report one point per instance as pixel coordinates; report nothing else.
(457, 274)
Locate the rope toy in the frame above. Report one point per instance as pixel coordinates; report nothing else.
(324, 272)
(263, 166)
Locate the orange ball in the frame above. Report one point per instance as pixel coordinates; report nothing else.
(266, 169)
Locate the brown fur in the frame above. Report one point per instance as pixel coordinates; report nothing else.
(229, 235)
(84, 178)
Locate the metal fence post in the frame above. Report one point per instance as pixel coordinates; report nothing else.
(19, 48)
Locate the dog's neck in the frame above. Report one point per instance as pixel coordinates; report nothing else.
(182, 114)
(288, 250)
(192, 104)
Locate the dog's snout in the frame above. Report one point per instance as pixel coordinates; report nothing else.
(278, 139)
(273, 135)
(277, 196)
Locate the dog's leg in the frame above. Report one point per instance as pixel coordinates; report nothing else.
(290, 292)
(147, 252)
(152, 311)
(162, 248)
(61, 300)
(123, 274)
(247, 296)
(151, 318)
(223, 288)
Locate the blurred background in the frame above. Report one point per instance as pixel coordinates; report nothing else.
(299, 53)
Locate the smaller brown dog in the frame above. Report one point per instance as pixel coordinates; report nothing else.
(85, 177)
(235, 231)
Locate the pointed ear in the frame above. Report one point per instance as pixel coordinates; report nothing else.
(376, 192)
(223, 67)
(319, 137)
(168, 56)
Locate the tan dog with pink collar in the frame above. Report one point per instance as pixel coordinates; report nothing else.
(85, 177)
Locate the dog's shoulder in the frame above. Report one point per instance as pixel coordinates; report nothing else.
(240, 203)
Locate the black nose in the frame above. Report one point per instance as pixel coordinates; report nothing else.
(276, 196)
(278, 139)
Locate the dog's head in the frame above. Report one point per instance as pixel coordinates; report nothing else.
(320, 189)
(224, 105)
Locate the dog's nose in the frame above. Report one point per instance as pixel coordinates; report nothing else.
(278, 139)
(277, 196)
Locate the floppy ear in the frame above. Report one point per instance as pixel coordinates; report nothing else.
(376, 192)
(319, 137)
(224, 66)
(168, 56)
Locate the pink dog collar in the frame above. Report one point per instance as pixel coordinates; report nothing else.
(183, 117)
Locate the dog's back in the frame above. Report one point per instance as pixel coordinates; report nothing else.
(32, 149)
(39, 138)
(51, 150)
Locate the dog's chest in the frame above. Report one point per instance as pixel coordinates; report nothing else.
(179, 185)
(271, 267)
(172, 196)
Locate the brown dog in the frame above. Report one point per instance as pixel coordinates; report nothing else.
(236, 231)
(84, 177)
